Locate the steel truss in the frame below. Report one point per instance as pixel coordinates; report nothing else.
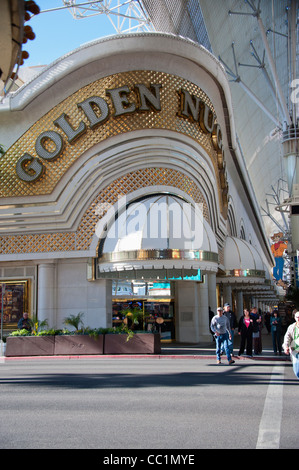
(125, 15)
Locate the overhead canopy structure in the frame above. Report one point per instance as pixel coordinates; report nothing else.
(242, 257)
(258, 45)
(159, 232)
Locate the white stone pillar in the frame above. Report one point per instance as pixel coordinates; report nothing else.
(99, 303)
(186, 311)
(203, 297)
(46, 293)
(212, 291)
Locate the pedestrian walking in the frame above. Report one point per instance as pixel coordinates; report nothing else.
(233, 324)
(221, 327)
(291, 343)
(245, 329)
(276, 326)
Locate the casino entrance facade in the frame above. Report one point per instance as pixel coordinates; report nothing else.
(123, 186)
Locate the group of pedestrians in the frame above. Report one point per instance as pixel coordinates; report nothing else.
(224, 322)
(249, 328)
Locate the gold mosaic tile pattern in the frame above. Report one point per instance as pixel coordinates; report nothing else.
(130, 182)
(81, 239)
(12, 186)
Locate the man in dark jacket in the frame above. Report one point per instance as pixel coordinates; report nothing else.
(24, 322)
(233, 324)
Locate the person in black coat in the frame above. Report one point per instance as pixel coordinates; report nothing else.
(24, 322)
(276, 331)
(245, 329)
(233, 324)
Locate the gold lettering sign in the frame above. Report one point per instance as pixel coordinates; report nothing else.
(148, 100)
(110, 106)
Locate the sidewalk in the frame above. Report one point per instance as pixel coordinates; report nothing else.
(208, 350)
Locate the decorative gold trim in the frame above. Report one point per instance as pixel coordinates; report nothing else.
(166, 254)
(81, 239)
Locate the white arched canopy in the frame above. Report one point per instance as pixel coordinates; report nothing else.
(242, 262)
(158, 231)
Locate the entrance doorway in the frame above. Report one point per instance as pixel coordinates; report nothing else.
(152, 304)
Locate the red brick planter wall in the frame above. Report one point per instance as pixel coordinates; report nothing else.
(143, 343)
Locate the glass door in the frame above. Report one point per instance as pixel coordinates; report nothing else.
(156, 316)
(159, 318)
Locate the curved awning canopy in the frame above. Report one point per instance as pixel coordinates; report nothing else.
(158, 236)
(242, 262)
(245, 270)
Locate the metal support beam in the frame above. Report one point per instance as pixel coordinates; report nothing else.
(237, 79)
(262, 66)
(274, 72)
(257, 14)
(125, 15)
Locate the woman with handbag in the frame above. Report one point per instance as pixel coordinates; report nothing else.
(245, 329)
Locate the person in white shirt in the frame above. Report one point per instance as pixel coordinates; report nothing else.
(291, 343)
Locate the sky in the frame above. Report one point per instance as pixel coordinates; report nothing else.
(58, 32)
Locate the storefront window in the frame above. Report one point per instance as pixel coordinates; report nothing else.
(160, 318)
(13, 302)
(153, 299)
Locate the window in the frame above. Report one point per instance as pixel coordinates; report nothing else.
(14, 301)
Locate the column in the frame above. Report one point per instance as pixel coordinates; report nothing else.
(46, 293)
(212, 291)
(227, 294)
(187, 311)
(239, 311)
(203, 297)
(99, 303)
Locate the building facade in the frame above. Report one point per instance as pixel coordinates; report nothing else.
(123, 187)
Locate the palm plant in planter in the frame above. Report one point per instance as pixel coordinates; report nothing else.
(75, 321)
(101, 341)
(37, 325)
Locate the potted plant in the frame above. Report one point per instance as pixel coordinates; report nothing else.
(75, 321)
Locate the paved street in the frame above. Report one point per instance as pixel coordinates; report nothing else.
(147, 403)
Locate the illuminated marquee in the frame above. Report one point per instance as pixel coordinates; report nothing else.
(50, 144)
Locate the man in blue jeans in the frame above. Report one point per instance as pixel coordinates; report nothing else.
(233, 324)
(221, 327)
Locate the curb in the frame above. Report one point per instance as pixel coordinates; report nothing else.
(144, 356)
